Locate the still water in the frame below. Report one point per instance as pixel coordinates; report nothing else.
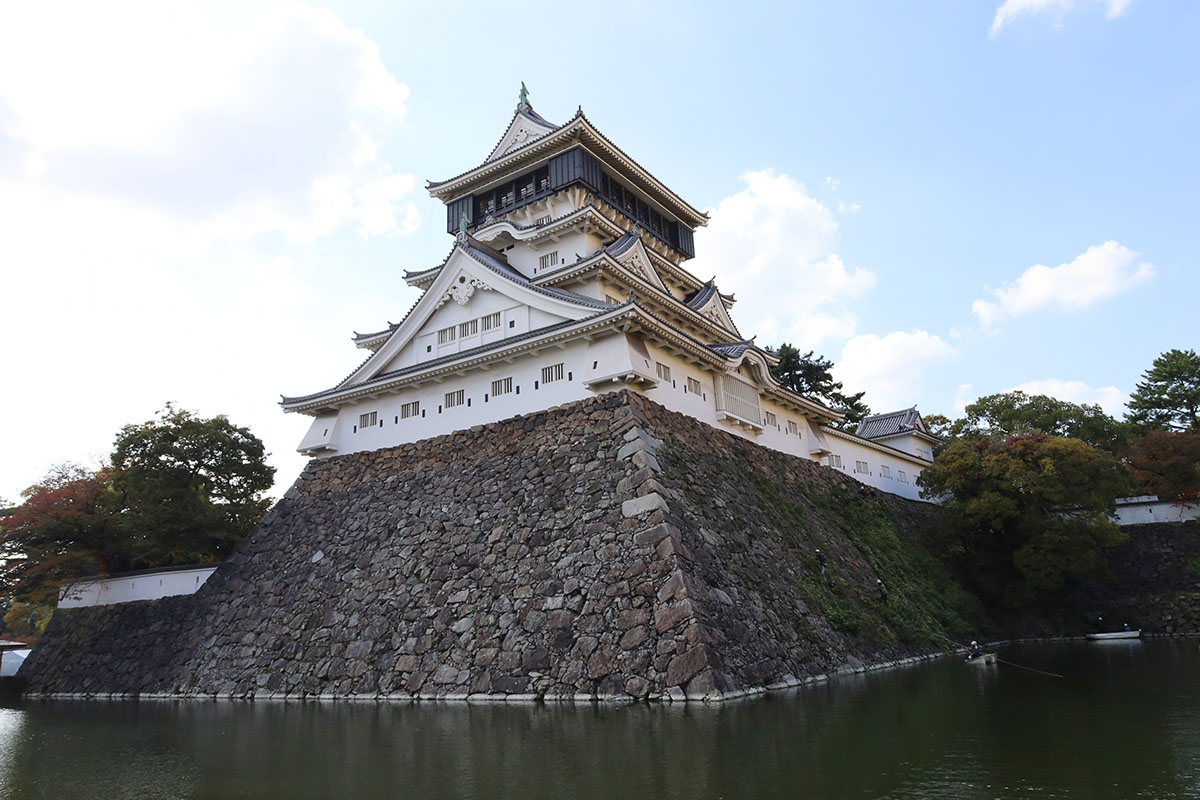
(1122, 722)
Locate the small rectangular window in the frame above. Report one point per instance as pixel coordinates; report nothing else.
(548, 260)
(542, 220)
(664, 372)
(694, 386)
(885, 472)
(468, 328)
(608, 298)
(793, 427)
(835, 460)
(410, 409)
(491, 322)
(502, 386)
(368, 420)
(455, 399)
(903, 478)
(861, 467)
(552, 373)
(768, 416)
(446, 335)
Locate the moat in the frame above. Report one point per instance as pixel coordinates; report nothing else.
(1123, 721)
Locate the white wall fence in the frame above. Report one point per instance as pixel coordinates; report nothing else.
(1148, 508)
(132, 586)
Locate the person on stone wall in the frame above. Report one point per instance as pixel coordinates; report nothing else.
(1099, 624)
(882, 590)
(821, 561)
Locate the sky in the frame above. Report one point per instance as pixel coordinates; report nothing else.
(200, 203)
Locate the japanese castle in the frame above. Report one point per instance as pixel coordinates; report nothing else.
(566, 279)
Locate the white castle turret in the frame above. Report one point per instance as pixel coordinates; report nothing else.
(566, 279)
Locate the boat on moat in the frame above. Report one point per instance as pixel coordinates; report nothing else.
(1103, 637)
(982, 658)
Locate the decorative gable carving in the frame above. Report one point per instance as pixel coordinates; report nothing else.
(715, 311)
(462, 290)
(637, 260)
(521, 132)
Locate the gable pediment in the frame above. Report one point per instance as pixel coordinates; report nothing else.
(468, 287)
(521, 131)
(636, 258)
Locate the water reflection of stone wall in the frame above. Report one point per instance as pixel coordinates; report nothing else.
(607, 548)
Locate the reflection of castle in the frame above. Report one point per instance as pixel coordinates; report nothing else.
(565, 280)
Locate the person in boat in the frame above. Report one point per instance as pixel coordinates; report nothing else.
(1099, 624)
(975, 651)
(1126, 627)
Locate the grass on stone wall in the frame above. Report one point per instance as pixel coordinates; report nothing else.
(925, 605)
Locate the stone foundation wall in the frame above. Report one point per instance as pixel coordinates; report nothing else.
(609, 548)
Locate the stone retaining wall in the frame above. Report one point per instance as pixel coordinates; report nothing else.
(605, 549)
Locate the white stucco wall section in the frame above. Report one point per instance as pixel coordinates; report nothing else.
(1148, 508)
(148, 585)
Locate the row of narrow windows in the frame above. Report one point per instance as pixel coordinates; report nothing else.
(458, 397)
(863, 468)
(471, 327)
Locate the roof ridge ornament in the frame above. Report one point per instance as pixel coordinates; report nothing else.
(523, 96)
(463, 224)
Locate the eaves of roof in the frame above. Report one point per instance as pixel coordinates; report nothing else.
(602, 258)
(452, 363)
(578, 128)
(874, 445)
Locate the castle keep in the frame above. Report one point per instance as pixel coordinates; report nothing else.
(566, 280)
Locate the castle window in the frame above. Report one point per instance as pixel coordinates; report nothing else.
(468, 328)
(903, 478)
(552, 373)
(368, 420)
(542, 220)
(410, 409)
(885, 472)
(768, 417)
(491, 322)
(835, 460)
(446, 335)
(861, 468)
(664, 372)
(548, 260)
(502, 386)
(454, 399)
(694, 387)
(608, 298)
(793, 427)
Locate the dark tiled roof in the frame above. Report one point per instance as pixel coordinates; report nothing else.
(525, 110)
(699, 298)
(890, 424)
(731, 349)
(358, 337)
(623, 242)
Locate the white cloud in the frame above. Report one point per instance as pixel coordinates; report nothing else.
(1100, 272)
(168, 174)
(1110, 398)
(1011, 9)
(261, 115)
(890, 368)
(774, 243)
(963, 397)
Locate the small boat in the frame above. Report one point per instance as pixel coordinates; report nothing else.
(1100, 637)
(982, 658)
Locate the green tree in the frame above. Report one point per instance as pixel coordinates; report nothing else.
(192, 487)
(1168, 396)
(938, 424)
(811, 375)
(1027, 511)
(1015, 413)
